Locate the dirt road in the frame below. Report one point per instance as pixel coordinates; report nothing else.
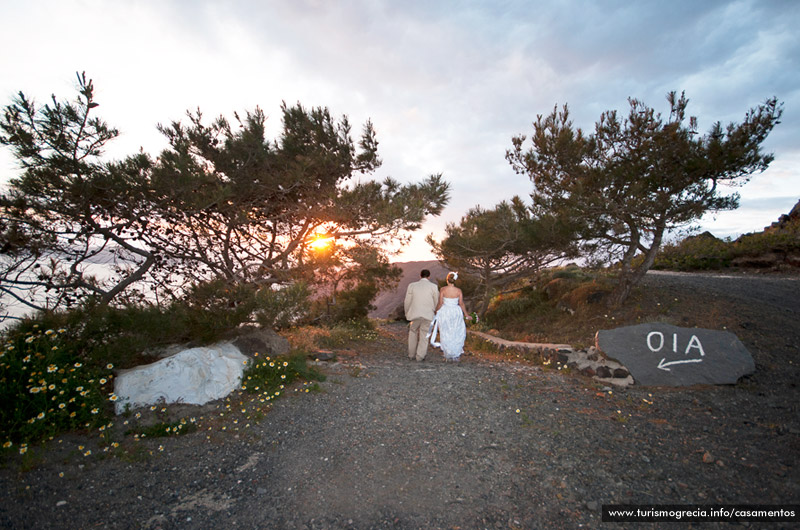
(389, 443)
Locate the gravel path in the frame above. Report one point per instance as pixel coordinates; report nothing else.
(390, 443)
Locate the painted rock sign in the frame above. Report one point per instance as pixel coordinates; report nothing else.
(662, 354)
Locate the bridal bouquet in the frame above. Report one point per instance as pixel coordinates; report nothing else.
(473, 318)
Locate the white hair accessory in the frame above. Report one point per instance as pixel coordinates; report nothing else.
(455, 275)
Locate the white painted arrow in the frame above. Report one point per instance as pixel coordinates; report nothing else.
(662, 365)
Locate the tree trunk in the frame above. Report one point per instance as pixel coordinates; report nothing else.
(631, 277)
(487, 294)
(133, 278)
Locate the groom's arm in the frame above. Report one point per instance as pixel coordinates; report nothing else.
(408, 299)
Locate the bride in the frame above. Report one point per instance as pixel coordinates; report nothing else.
(449, 320)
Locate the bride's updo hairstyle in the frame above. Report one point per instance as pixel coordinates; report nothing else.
(452, 277)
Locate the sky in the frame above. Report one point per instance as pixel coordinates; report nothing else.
(446, 84)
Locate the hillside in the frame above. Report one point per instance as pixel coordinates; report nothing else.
(388, 303)
(776, 248)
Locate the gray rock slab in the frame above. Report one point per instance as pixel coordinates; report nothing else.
(659, 354)
(262, 341)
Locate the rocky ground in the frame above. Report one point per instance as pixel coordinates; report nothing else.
(390, 443)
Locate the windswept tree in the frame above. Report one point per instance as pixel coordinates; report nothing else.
(222, 202)
(502, 245)
(634, 179)
(229, 203)
(66, 222)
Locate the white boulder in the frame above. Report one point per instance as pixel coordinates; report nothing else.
(195, 376)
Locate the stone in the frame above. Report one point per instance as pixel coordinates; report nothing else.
(603, 372)
(620, 373)
(261, 341)
(193, 376)
(322, 355)
(563, 306)
(667, 355)
(596, 297)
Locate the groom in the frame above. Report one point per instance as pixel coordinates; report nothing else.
(421, 299)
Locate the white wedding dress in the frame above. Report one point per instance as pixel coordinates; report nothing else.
(449, 322)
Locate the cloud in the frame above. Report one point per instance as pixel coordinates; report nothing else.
(447, 84)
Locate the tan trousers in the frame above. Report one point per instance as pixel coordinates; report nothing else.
(417, 338)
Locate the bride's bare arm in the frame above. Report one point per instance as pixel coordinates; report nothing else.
(440, 302)
(461, 303)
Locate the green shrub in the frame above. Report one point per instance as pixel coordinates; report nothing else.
(214, 308)
(45, 387)
(707, 252)
(506, 309)
(347, 305)
(354, 304)
(784, 240)
(267, 376)
(280, 308)
(695, 253)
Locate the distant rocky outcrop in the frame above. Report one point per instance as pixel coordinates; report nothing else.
(389, 304)
(782, 254)
(785, 220)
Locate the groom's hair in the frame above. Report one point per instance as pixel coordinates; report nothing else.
(424, 273)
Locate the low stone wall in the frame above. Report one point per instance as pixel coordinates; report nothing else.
(589, 362)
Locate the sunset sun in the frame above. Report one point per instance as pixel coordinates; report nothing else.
(321, 243)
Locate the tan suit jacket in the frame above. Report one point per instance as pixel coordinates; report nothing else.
(421, 299)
